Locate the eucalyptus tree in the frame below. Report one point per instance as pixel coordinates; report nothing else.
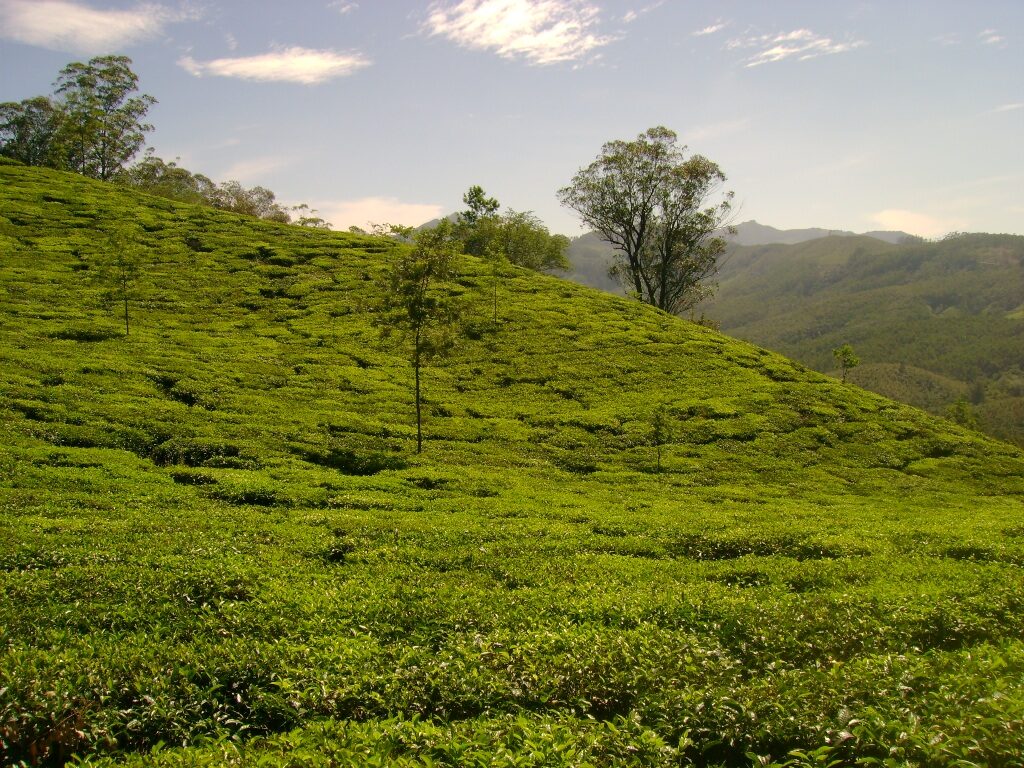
(662, 211)
(102, 124)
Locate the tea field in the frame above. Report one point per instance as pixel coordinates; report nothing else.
(219, 547)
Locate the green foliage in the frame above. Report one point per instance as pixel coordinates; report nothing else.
(217, 546)
(119, 267)
(28, 131)
(414, 303)
(661, 430)
(846, 359)
(478, 206)
(101, 125)
(962, 413)
(936, 320)
(646, 199)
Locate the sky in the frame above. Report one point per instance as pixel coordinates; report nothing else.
(896, 114)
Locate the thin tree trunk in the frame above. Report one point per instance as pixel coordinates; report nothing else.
(124, 292)
(419, 420)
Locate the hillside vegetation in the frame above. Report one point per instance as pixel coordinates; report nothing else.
(927, 318)
(217, 545)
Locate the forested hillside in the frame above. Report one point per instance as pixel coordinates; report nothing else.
(629, 539)
(931, 322)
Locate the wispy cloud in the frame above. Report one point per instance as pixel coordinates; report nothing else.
(801, 44)
(538, 31)
(718, 26)
(252, 170)
(343, 6)
(343, 214)
(290, 65)
(632, 15)
(991, 37)
(916, 223)
(1009, 107)
(66, 25)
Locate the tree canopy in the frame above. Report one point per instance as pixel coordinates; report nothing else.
(101, 125)
(662, 211)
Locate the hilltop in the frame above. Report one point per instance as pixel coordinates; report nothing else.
(218, 542)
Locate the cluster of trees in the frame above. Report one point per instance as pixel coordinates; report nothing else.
(94, 124)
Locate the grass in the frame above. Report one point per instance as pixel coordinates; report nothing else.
(217, 545)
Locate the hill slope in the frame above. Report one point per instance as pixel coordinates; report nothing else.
(215, 536)
(949, 312)
(951, 308)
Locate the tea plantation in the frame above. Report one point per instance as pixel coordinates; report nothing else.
(218, 545)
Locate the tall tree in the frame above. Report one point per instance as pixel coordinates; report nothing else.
(662, 211)
(28, 129)
(415, 304)
(103, 124)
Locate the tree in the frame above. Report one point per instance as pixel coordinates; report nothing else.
(846, 359)
(526, 242)
(102, 126)
(477, 226)
(157, 177)
(479, 206)
(962, 413)
(661, 430)
(415, 306)
(257, 201)
(521, 238)
(662, 212)
(28, 129)
(120, 268)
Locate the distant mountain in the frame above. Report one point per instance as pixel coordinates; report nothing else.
(753, 233)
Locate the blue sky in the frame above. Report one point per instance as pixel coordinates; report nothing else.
(848, 115)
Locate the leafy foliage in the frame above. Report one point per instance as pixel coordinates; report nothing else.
(218, 546)
(650, 202)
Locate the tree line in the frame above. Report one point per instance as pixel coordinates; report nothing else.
(94, 124)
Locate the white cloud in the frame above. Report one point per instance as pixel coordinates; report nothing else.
(362, 212)
(803, 44)
(343, 6)
(991, 37)
(292, 65)
(67, 25)
(916, 223)
(231, 42)
(710, 29)
(539, 31)
(1009, 107)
